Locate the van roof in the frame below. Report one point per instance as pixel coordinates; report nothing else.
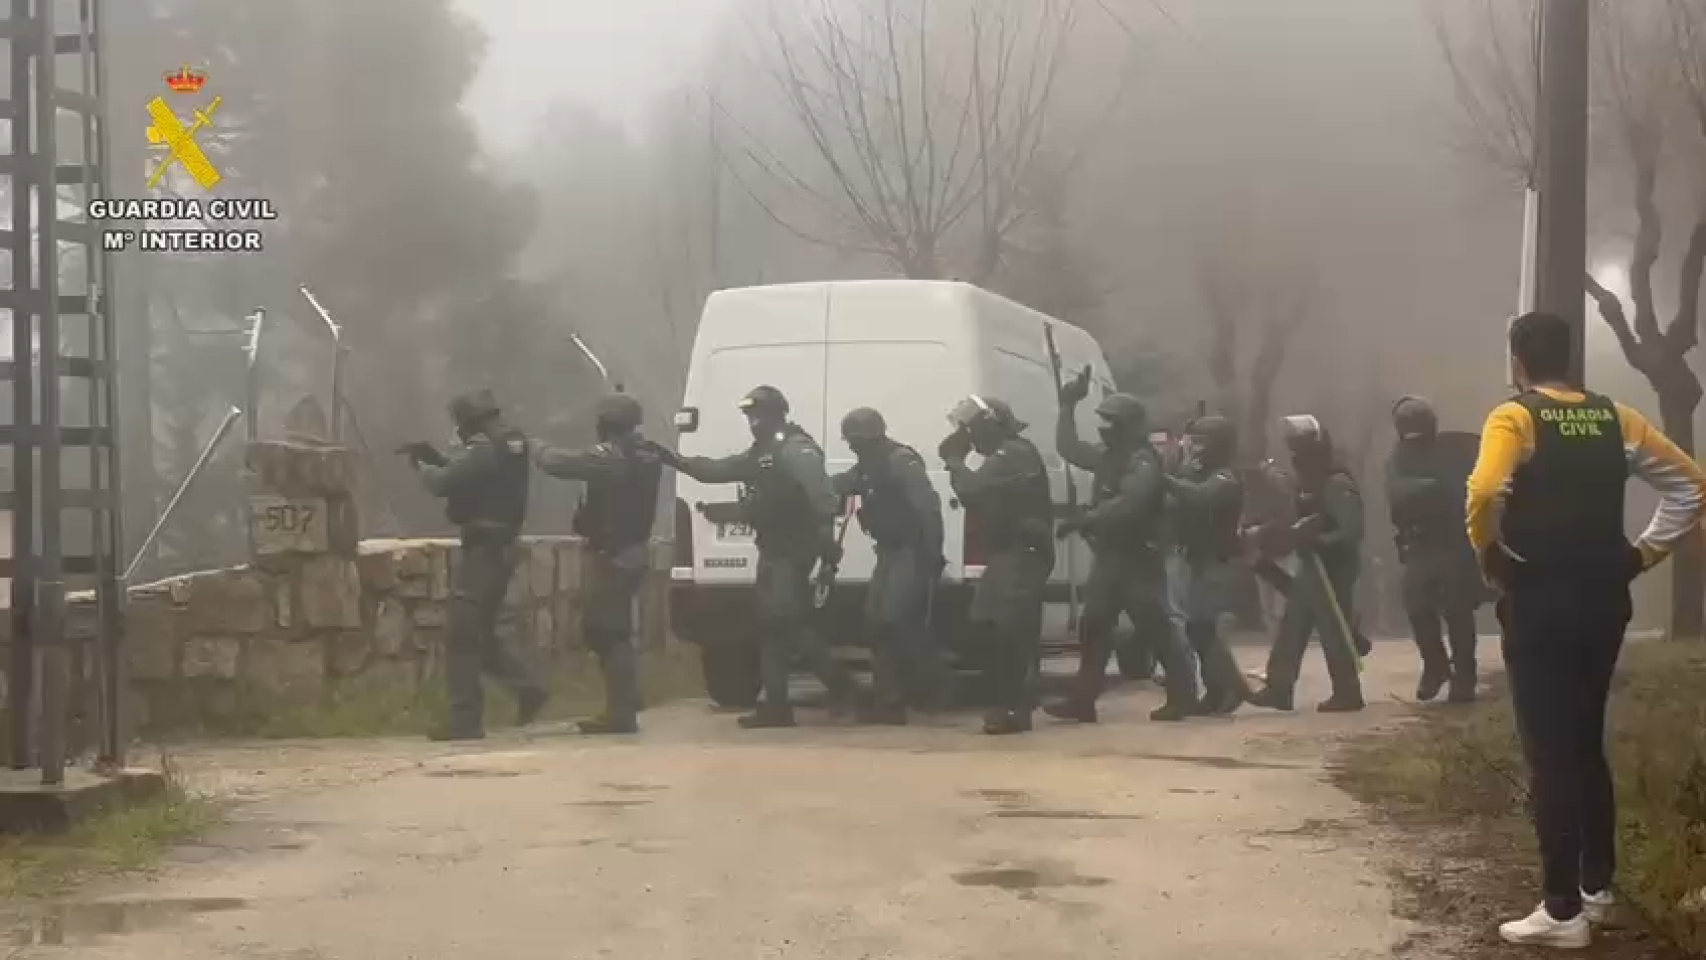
(965, 295)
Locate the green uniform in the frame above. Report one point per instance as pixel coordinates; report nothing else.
(792, 509)
(1207, 503)
(485, 491)
(1441, 581)
(622, 478)
(1128, 573)
(1009, 493)
(1317, 605)
(901, 512)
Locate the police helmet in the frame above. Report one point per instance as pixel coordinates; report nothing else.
(475, 408)
(764, 400)
(1123, 410)
(863, 424)
(1214, 432)
(619, 411)
(984, 412)
(1304, 432)
(1414, 418)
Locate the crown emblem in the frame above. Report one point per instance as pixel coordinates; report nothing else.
(186, 80)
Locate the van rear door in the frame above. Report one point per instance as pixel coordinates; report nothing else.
(897, 348)
(750, 337)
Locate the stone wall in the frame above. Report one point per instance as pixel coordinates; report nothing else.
(223, 644)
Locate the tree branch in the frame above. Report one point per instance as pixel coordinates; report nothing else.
(1683, 334)
(1611, 311)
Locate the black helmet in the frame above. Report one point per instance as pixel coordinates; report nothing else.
(863, 424)
(764, 400)
(1305, 434)
(619, 411)
(1123, 410)
(473, 409)
(1414, 418)
(1217, 435)
(975, 412)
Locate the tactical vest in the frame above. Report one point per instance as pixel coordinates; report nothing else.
(497, 503)
(1309, 503)
(619, 510)
(885, 514)
(1212, 536)
(1020, 516)
(1140, 532)
(1565, 503)
(783, 518)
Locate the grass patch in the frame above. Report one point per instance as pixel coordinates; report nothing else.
(367, 710)
(1453, 784)
(120, 841)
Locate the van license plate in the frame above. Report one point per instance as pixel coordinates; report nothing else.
(734, 531)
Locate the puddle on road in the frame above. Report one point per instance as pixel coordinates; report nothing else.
(634, 787)
(1064, 815)
(63, 924)
(1026, 878)
(473, 773)
(1213, 763)
(1000, 796)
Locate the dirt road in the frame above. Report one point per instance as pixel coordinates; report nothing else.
(1212, 840)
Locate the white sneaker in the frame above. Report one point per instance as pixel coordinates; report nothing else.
(1539, 929)
(1597, 907)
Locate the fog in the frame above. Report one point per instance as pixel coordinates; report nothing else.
(465, 183)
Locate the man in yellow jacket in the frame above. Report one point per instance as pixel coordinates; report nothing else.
(1545, 516)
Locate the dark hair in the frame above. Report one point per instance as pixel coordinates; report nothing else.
(1543, 344)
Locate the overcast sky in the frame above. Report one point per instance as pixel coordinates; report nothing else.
(615, 56)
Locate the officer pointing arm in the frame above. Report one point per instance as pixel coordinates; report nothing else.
(1082, 454)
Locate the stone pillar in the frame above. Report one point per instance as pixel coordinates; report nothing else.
(306, 527)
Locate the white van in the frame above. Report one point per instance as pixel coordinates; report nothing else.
(911, 349)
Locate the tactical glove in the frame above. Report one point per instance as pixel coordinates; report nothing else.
(420, 452)
(955, 447)
(1073, 391)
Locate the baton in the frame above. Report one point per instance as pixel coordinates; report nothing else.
(1338, 611)
(826, 571)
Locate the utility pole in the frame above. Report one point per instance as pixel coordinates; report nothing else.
(1561, 154)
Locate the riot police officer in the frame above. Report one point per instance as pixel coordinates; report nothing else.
(1327, 539)
(622, 474)
(1128, 572)
(1441, 580)
(792, 510)
(901, 512)
(1207, 500)
(484, 487)
(1008, 494)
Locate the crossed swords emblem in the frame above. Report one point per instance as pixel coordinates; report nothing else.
(169, 132)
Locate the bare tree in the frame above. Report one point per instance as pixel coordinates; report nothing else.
(1650, 77)
(922, 126)
(1247, 298)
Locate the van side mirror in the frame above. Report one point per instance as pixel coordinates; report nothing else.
(687, 419)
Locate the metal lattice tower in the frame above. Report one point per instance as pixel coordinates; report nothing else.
(62, 427)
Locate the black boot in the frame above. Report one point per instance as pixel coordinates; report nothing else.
(999, 723)
(1174, 711)
(1074, 709)
(881, 715)
(767, 718)
(1338, 704)
(604, 725)
(1273, 699)
(529, 704)
(1462, 688)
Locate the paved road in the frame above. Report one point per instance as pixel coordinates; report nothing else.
(1214, 840)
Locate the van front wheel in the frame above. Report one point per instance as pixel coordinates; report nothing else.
(731, 674)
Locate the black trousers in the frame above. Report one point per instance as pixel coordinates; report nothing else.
(1562, 638)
